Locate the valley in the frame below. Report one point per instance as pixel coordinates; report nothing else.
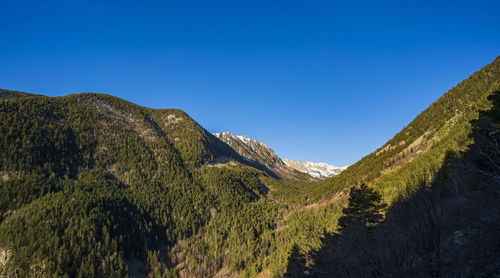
(95, 186)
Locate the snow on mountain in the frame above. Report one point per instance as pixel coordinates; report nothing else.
(260, 152)
(318, 170)
(252, 150)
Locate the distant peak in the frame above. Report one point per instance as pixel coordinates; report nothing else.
(261, 152)
(319, 170)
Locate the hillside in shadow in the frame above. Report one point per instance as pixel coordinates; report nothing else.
(442, 226)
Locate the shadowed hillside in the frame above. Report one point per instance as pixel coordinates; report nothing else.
(447, 227)
(95, 186)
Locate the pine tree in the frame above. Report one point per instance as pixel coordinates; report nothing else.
(364, 207)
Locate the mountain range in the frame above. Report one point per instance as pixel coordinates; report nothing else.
(318, 170)
(95, 186)
(260, 152)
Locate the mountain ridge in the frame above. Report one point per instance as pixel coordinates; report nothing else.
(422, 144)
(95, 186)
(319, 170)
(260, 152)
(126, 178)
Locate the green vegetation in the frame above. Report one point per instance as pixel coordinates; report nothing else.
(8, 94)
(95, 186)
(446, 226)
(420, 148)
(364, 208)
(53, 148)
(92, 185)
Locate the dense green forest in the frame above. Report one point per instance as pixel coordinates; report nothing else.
(94, 186)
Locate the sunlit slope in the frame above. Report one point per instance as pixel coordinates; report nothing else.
(421, 146)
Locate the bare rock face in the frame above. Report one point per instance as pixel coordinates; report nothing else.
(252, 150)
(4, 256)
(260, 152)
(318, 170)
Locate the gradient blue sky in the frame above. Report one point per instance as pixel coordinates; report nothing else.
(316, 80)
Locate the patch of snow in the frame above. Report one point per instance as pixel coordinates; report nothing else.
(318, 170)
(251, 143)
(247, 141)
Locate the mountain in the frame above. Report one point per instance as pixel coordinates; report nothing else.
(422, 146)
(318, 170)
(261, 153)
(92, 185)
(252, 150)
(443, 220)
(95, 186)
(8, 93)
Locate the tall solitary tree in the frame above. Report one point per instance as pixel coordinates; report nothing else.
(364, 208)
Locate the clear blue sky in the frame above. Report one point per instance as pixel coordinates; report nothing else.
(316, 80)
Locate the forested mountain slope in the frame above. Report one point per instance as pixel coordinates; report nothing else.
(92, 185)
(420, 147)
(445, 225)
(95, 186)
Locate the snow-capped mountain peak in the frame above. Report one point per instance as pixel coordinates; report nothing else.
(260, 152)
(318, 170)
(251, 149)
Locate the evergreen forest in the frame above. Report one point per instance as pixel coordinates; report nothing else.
(92, 185)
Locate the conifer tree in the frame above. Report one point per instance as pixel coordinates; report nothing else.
(364, 207)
